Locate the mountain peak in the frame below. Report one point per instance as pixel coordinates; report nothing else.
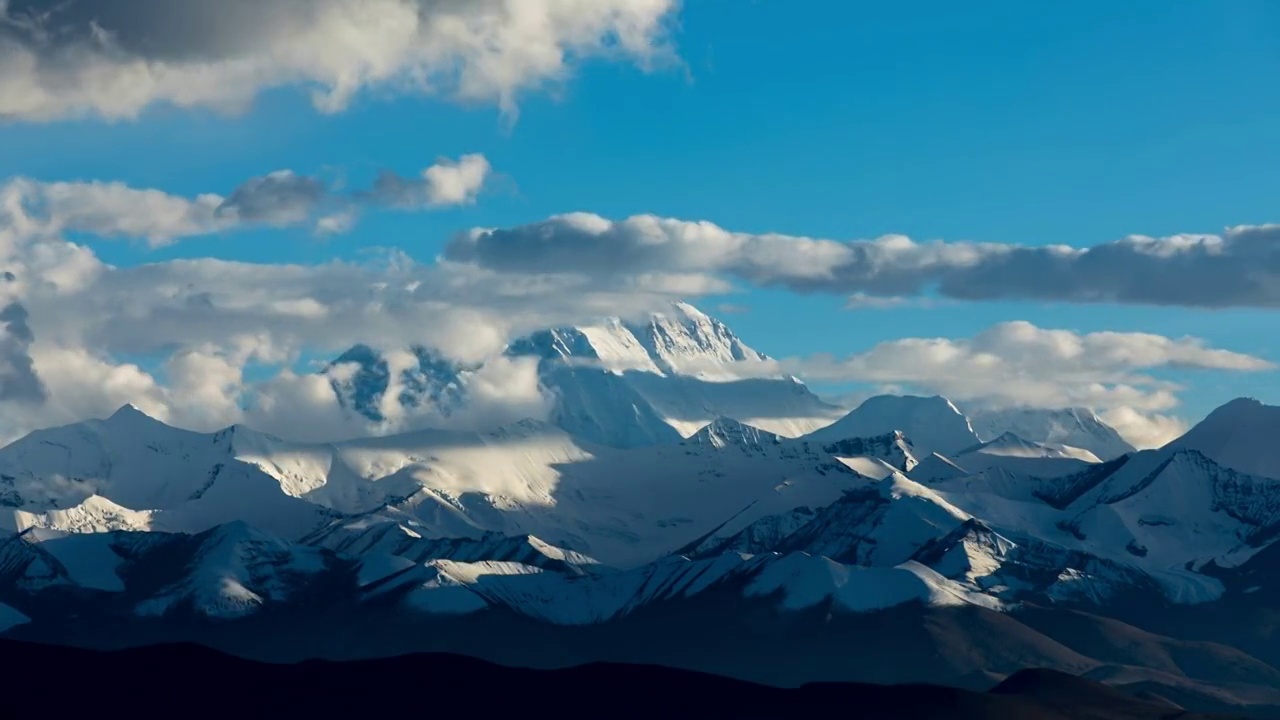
(725, 431)
(130, 413)
(1239, 435)
(933, 423)
(1074, 427)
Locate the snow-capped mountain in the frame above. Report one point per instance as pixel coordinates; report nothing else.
(1071, 427)
(128, 517)
(616, 383)
(934, 424)
(131, 472)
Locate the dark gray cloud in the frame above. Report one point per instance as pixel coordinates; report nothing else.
(165, 30)
(1239, 268)
(18, 379)
(115, 58)
(280, 198)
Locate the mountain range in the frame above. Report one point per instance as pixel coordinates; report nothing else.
(670, 511)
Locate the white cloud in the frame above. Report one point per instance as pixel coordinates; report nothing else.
(1150, 430)
(448, 182)
(115, 58)
(32, 210)
(1017, 364)
(1239, 268)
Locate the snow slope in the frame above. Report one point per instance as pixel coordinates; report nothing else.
(231, 571)
(875, 457)
(132, 472)
(1242, 435)
(620, 506)
(932, 423)
(798, 581)
(1073, 427)
(1009, 453)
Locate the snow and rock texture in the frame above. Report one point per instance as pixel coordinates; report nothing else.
(232, 570)
(132, 472)
(615, 383)
(623, 507)
(797, 581)
(1072, 427)
(875, 457)
(933, 424)
(373, 537)
(620, 506)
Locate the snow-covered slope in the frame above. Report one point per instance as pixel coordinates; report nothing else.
(132, 472)
(1009, 453)
(932, 423)
(380, 535)
(1010, 445)
(797, 581)
(1073, 427)
(231, 571)
(874, 457)
(620, 506)
(976, 556)
(1243, 435)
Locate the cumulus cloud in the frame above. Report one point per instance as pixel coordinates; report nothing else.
(1017, 364)
(1238, 268)
(448, 182)
(1144, 430)
(115, 58)
(278, 199)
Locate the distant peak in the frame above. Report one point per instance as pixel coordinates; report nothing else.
(725, 431)
(1011, 438)
(1242, 403)
(129, 412)
(688, 310)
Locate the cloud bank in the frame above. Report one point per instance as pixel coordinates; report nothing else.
(1238, 268)
(115, 58)
(230, 342)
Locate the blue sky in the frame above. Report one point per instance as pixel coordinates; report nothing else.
(1030, 124)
